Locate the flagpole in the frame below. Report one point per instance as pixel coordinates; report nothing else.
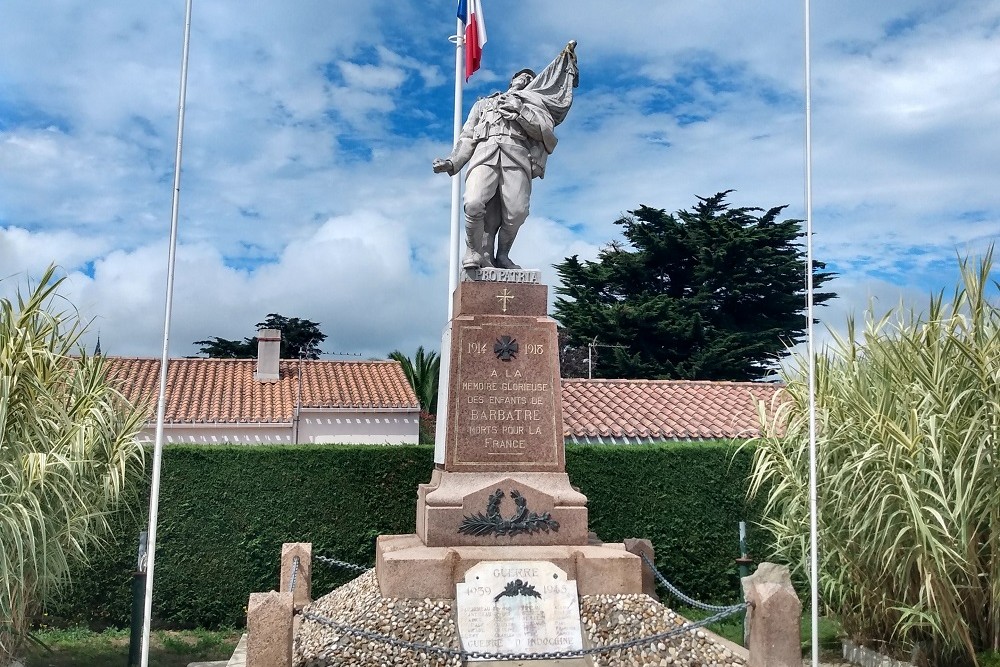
(440, 431)
(813, 493)
(456, 181)
(154, 492)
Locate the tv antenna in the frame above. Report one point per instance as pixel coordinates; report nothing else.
(591, 346)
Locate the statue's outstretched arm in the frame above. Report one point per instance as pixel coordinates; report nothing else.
(464, 147)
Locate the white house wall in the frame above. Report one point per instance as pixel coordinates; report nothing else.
(346, 427)
(219, 434)
(375, 428)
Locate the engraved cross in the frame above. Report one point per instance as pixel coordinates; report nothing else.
(504, 297)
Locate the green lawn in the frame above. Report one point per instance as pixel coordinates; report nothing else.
(84, 648)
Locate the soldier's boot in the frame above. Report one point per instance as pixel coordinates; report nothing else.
(488, 248)
(504, 242)
(474, 255)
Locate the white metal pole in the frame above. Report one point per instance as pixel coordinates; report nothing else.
(453, 252)
(154, 491)
(456, 180)
(813, 494)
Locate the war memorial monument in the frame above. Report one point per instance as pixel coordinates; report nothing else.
(501, 567)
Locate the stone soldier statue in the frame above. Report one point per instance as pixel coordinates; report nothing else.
(505, 143)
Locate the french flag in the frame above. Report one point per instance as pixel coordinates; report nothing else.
(470, 12)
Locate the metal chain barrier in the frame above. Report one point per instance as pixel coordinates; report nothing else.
(721, 612)
(295, 573)
(340, 563)
(343, 628)
(684, 598)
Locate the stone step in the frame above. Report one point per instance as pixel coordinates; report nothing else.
(239, 658)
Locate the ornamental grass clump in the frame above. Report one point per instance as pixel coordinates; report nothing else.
(908, 439)
(68, 454)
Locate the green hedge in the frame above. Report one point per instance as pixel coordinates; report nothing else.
(225, 511)
(686, 498)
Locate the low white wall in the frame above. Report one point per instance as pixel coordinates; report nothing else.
(376, 428)
(315, 426)
(219, 434)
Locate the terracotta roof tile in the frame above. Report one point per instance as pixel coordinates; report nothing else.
(662, 409)
(224, 391)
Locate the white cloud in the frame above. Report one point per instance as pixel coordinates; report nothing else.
(24, 254)
(371, 76)
(353, 274)
(310, 128)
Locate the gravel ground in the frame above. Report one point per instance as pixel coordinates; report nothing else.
(606, 619)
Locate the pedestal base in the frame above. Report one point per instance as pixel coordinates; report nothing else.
(407, 569)
(451, 500)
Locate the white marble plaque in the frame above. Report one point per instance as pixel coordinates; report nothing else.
(518, 607)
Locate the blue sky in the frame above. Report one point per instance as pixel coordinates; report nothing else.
(310, 128)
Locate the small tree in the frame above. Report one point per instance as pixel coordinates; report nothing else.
(908, 467)
(223, 348)
(68, 453)
(300, 339)
(422, 373)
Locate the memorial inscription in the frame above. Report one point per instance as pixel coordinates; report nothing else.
(491, 275)
(504, 409)
(518, 607)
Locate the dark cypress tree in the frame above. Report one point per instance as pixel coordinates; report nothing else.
(299, 339)
(711, 293)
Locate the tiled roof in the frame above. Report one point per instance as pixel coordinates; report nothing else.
(224, 391)
(644, 410)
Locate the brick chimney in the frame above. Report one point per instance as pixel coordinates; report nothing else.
(268, 353)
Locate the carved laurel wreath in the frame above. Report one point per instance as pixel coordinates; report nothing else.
(523, 520)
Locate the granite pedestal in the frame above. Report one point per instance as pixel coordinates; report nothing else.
(499, 490)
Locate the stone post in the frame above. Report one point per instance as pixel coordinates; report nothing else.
(774, 619)
(644, 548)
(269, 630)
(302, 595)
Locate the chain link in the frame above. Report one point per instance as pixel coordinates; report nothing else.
(684, 598)
(295, 574)
(486, 655)
(666, 584)
(340, 563)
